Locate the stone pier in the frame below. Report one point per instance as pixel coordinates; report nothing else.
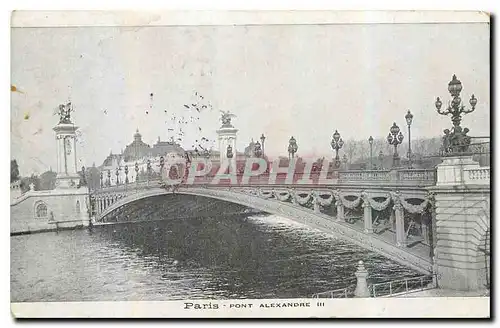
(462, 224)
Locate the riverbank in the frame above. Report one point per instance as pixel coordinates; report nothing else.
(30, 232)
(81, 226)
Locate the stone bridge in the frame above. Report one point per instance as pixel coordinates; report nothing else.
(434, 221)
(388, 212)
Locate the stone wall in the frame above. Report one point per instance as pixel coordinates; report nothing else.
(27, 212)
(462, 224)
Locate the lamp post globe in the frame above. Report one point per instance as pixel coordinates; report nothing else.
(292, 147)
(457, 141)
(370, 141)
(262, 140)
(395, 137)
(409, 119)
(337, 143)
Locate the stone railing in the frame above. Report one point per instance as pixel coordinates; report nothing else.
(420, 177)
(408, 177)
(477, 175)
(364, 175)
(417, 175)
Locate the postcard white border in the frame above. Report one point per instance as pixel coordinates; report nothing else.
(340, 308)
(240, 17)
(435, 307)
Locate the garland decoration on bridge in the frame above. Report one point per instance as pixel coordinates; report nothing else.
(351, 204)
(302, 200)
(414, 209)
(323, 201)
(282, 195)
(253, 192)
(265, 193)
(379, 206)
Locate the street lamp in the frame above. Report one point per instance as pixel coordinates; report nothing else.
(344, 159)
(370, 141)
(337, 144)
(136, 172)
(109, 177)
(100, 176)
(456, 141)
(117, 173)
(292, 147)
(162, 164)
(148, 168)
(381, 159)
(126, 174)
(257, 150)
(84, 183)
(395, 137)
(409, 119)
(262, 139)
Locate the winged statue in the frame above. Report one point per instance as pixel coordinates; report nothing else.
(226, 118)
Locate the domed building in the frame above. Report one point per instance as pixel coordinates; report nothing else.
(137, 149)
(120, 167)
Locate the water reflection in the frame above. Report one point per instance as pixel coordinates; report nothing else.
(239, 256)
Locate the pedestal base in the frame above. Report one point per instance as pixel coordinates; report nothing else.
(66, 182)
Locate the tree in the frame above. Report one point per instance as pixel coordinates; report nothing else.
(26, 182)
(14, 171)
(350, 148)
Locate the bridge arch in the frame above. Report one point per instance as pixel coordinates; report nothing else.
(293, 212)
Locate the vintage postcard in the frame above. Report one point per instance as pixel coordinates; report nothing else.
(240, 164)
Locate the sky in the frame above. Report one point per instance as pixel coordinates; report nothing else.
(304, 81)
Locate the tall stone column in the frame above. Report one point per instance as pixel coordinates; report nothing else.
(400, 221)
(340, 206)
(367, 213)
(400, 226)
(226, 136)
(316, 204)
(67, 171)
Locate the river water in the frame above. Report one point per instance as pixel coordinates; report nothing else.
(238, 256)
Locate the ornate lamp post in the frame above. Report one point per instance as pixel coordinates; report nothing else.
(337, 144)
(395, 138)
(370, 141)
(162, 164)
(100, 176)
(257, 150)
(292, 147)
(126, 174)
(409, 119)
(148, 168)
(136, 172)
(262, 140)
(344, 160)
(457, 141)
(117, 173)
(84, 183)
(381, 159)
(109, 177)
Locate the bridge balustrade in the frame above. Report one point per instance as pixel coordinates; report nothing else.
(477, 176)
(408, 177)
